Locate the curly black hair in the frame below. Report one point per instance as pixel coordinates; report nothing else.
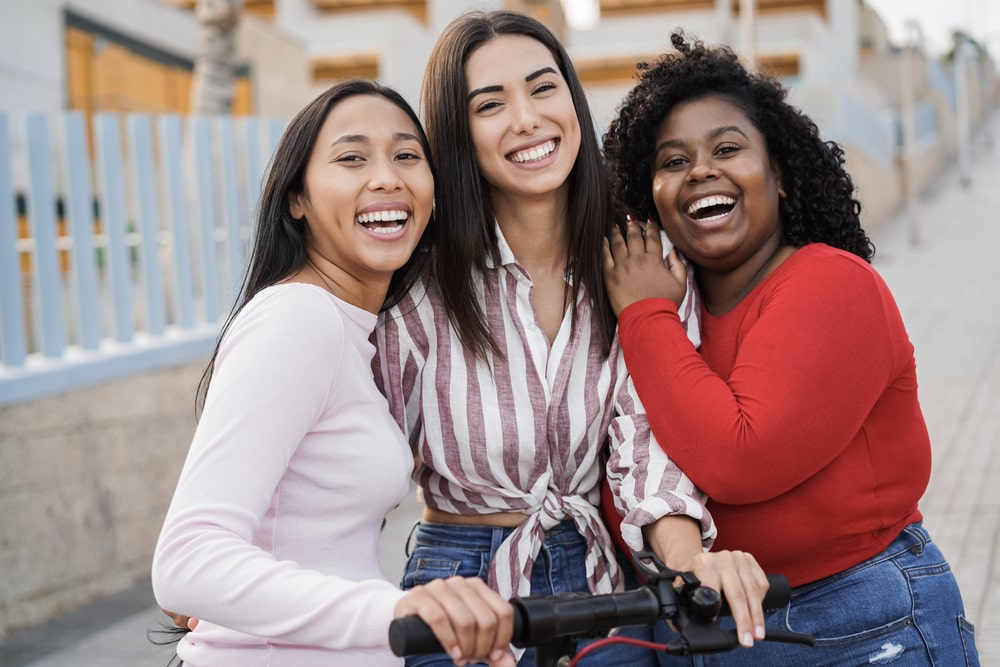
(820, 204)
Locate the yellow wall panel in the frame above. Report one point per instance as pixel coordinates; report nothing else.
(104, 75)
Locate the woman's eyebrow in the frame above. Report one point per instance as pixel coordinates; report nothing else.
(537, 73)
(497, 88)
(485, 89)
(717, 132)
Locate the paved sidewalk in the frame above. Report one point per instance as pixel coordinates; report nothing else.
(948, 288)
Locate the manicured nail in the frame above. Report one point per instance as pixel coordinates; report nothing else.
(747, 640)
(759, 632)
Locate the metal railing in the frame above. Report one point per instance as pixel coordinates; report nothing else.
(122, 244)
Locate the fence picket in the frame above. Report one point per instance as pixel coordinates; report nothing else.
(12, 339)
(48, 298)
(112, 198)
(171, 150)
(144, 170)
(80, 219)
(206, 216)
(255, 166)
(231, 209)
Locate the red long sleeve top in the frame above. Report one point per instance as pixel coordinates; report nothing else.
(798, 416)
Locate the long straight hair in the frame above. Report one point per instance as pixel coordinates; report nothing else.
(465, 213)
(280, 241)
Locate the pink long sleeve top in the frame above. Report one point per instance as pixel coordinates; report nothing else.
(272, 535)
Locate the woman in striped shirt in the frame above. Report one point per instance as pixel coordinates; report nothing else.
(502, 366)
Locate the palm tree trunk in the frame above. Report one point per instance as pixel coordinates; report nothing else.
(215, 68)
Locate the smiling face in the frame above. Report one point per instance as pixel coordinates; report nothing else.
(521, 115)
(368, 191)
(715, 186)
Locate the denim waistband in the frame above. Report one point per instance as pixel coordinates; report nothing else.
(483, 538)
(913, 538)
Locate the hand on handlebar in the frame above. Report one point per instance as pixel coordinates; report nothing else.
(734, 574)
(741, 580)
(469, 620)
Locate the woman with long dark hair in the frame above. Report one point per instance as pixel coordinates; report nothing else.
(271, 539)
(502, 365)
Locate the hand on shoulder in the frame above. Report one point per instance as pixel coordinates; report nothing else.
(635, 269)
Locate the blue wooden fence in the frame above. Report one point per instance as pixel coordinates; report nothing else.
(123, 257)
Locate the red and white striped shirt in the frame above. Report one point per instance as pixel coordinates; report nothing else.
(527, 432)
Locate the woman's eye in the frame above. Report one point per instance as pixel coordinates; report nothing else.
(671, 163)
(408, 155)
(487, 106)
(544, 87)
(349, 158)
(727, 149)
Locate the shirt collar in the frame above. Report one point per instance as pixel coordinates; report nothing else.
(500, 254)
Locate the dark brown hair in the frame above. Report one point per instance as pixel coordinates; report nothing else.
(465, 217)
(279, 245)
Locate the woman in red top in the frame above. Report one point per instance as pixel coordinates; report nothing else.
(798, 415)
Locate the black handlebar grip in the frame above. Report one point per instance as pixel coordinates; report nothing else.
(778, 594)
(410, 635)
(580, 614)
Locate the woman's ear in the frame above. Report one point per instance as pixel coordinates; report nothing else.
(777, 179)
(296, 205)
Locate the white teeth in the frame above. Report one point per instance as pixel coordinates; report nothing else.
(382, 216)
(536, 153)
(385, 230)
(714, 200)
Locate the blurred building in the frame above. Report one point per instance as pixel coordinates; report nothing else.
(835, 55)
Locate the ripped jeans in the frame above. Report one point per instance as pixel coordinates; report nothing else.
(900, 608)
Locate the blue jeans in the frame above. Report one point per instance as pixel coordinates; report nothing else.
(445, 550)
(900, 608)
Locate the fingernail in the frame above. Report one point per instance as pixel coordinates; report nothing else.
(759, 633)
(496, 655)
(747, 640)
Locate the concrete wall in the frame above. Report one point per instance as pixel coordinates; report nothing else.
(282, 82)
(85, 480)
(879, 187)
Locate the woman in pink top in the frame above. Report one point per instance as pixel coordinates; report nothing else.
(271, 537)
